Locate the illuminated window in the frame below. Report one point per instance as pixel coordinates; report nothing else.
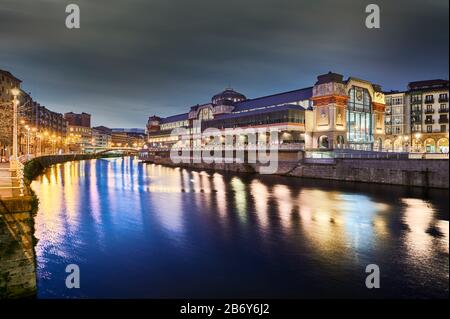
(359, 118)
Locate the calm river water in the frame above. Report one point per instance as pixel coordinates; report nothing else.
(142, 230)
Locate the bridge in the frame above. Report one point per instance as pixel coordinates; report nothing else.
(102, 150)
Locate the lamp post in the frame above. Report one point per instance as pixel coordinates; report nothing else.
(34, 142)
(28, 140)
(45, 137)
(53, 144)
(405, 144)
(417, 139)
(13, 163)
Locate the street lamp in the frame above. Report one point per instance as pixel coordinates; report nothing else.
(13, 164)
(28, 140)
(417, 137)
(406, 139)
(34, 130)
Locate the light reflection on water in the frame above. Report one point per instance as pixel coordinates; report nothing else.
(139, 230)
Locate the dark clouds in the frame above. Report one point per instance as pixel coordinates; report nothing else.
(138, 57)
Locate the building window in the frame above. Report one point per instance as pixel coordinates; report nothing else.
(429, 128)
(417, 98)
(443, 128)
(429, 99)
(359, 116)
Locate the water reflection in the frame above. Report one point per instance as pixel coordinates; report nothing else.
(426, 235)
(178, 227)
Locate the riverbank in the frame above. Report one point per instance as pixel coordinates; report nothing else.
(17, 241)
(405, 172)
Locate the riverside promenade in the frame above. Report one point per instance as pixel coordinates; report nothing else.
(6, 183)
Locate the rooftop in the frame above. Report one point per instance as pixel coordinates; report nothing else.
(428, 84)
(175, 118)
(265, 110)
(8, 74)
(275, 99)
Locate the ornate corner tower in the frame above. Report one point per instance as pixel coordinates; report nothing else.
(347, 114)
(329, 112)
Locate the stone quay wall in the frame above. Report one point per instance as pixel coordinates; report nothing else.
(17, 241)
(406, 172)
(430, 173)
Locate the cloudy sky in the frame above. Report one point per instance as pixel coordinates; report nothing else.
(134, 58)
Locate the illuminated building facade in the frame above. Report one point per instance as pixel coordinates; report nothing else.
(397, 122)
(79, 133)
(101, 136)
(7, 83)
(334, 113)
(428, 109)
(43, 130)
(128, 137)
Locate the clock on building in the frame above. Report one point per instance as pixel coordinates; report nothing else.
(359, 95)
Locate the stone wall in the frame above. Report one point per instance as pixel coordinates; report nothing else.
(406, 172)
(17, 258)
(36, 166)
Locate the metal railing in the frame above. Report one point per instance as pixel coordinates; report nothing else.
(247, 147)
(352, 154)
(428, 156)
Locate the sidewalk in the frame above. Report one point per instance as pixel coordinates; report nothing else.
(5, 181)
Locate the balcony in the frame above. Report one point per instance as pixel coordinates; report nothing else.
(443, 120)
(429, 111)
(443, 99)
(431, 121)
(443, 110)
(429, 101)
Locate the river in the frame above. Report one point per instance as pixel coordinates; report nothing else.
(147, 231)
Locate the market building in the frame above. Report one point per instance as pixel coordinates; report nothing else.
(332, 114)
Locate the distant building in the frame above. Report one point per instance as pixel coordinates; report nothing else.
(101, 136)
(74, 119)
(79, 133)
(128, 137)
(48, 128)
